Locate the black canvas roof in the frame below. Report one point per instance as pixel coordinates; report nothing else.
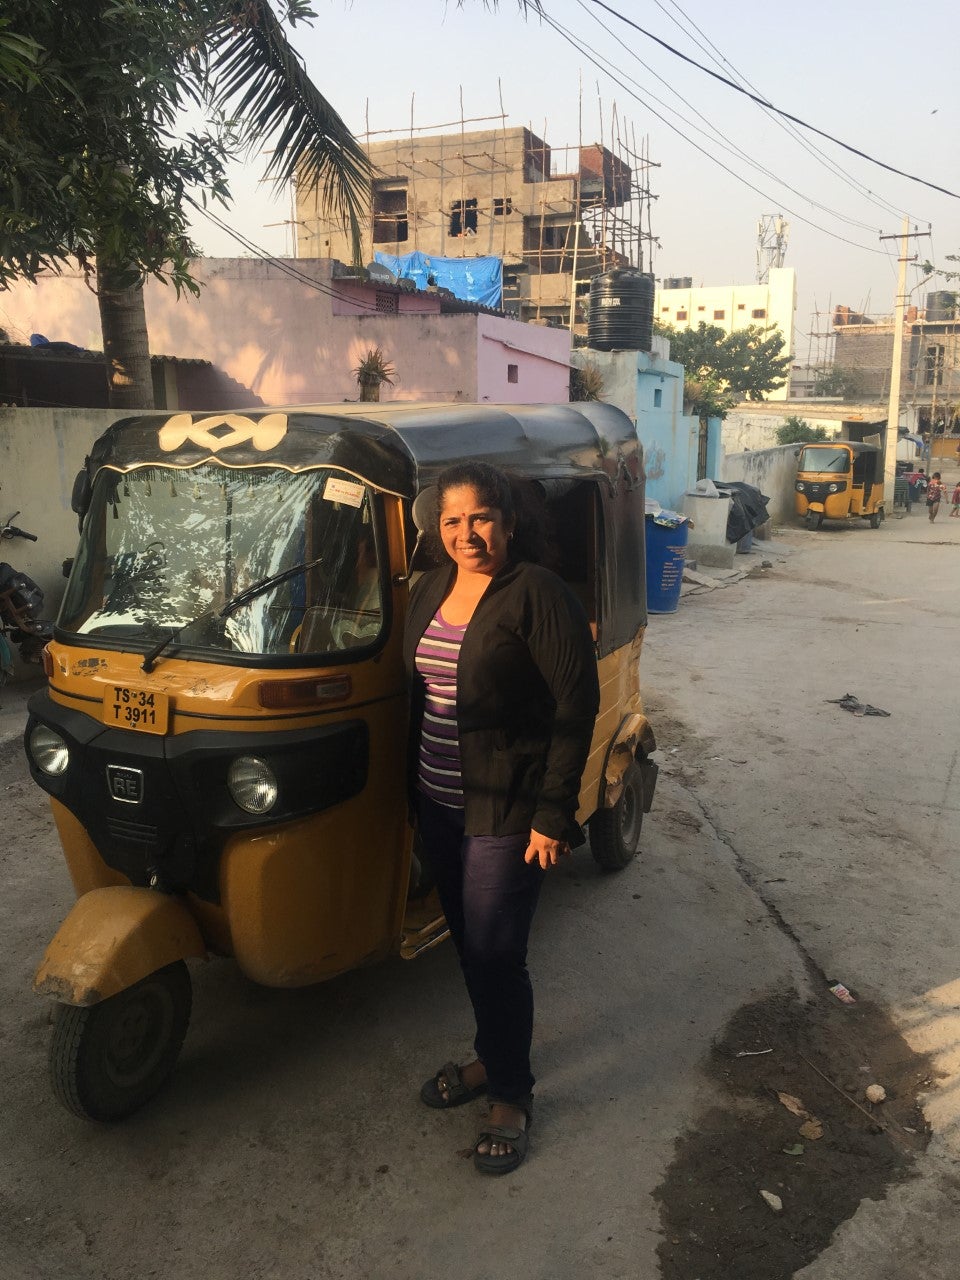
(397, 447)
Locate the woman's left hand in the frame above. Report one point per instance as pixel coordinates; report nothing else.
(545, 850)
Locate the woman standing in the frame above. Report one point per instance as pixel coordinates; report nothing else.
(505, 695)
(934, 496)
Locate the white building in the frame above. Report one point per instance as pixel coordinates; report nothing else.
(733, 306)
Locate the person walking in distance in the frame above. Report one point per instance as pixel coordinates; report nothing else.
(504, 697)
(955, 500)
(934, 496)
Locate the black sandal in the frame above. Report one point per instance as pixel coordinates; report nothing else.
(457, 1093)
(519, 1139)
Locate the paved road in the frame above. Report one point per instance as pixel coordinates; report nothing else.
(847, 827)
(290, 1143)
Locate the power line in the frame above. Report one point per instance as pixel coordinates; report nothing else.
(731, 146)
(762, 102)
(810, 147)
(282, 265)
(584, 49)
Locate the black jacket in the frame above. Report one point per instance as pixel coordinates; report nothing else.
(527, 698)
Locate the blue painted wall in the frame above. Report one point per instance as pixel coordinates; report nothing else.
(649, 388)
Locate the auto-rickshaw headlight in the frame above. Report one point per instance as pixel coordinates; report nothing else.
(253, 784)
(832, 488)
(49, 751)
(800, 486)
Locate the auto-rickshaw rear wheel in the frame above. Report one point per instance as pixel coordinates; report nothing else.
(615, 833)
(814, 519)
(108, 1059)
(876, 520)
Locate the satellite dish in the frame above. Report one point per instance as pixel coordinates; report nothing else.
(381, 274)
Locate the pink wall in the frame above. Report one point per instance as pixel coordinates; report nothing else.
(355, 299)
(278, 337)
(541, 357)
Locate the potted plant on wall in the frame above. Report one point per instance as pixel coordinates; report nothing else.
(373, 370)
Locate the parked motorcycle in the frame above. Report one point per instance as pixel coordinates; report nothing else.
(21, 604)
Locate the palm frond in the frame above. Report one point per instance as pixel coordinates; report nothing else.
(258, 78)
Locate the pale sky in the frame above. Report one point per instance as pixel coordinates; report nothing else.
(880, 76)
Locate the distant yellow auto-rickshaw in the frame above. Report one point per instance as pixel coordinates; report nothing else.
(223, 733)
(840, 480)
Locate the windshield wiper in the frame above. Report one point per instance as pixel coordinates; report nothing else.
(258, 588)
(150, 661)
(237, 602)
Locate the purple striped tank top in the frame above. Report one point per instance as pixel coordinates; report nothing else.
(438, 652)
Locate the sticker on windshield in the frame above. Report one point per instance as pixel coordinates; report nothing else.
(347, 491)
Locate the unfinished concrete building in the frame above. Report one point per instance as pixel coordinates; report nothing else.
(556, 217)
(930, 360)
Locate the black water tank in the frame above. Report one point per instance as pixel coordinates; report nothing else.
(621, 311)
(941, 305)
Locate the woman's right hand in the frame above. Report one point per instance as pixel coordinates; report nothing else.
(545, 850)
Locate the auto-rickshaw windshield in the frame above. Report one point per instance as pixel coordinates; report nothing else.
(178, 551)
(823, 458)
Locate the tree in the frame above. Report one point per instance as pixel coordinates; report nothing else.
(721, 369)
(92, 171)
(836, 381)
(796, 430)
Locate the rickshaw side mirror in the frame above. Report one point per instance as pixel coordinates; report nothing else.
(80, 496)
(423, 510)
(796, 453)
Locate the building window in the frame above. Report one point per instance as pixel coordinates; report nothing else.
(463, 218)
(389, 212)
(657, 398)
(664, 308)
(513, 373)
(741, 306)
(933, 365)
(701, 308)
(682, 315)
(386, 303)
(759, 314)
(502, 207)
(719, 315)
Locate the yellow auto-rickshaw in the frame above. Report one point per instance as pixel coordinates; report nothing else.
(223, 733)
(839, 480)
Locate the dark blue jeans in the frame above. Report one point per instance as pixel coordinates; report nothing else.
(488, 894)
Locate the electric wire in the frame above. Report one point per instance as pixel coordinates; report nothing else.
(810, 147)
(761, 101)
(584, 49)
(281, 264)
(726, 142)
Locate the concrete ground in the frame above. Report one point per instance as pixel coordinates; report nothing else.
(788, 838)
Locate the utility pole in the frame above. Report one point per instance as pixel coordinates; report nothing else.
(893, 404)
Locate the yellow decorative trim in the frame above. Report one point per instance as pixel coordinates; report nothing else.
(264, 435)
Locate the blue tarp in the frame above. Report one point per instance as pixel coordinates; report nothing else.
(472, 279)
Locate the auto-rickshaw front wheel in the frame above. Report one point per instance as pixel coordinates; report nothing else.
(108, 1059)
(615, 833)
(814, 519)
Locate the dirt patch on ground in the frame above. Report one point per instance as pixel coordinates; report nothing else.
(818, 1056)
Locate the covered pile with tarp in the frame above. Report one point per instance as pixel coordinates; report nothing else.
(472, 279)
(748, 507)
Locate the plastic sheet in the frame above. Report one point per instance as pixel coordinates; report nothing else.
(748, 508)
(472, 279)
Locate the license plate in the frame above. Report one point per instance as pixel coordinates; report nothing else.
(126, 707)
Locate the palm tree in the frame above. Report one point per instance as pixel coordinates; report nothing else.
(247, 67)
(91, 165)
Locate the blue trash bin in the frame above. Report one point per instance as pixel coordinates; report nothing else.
(665, 555)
